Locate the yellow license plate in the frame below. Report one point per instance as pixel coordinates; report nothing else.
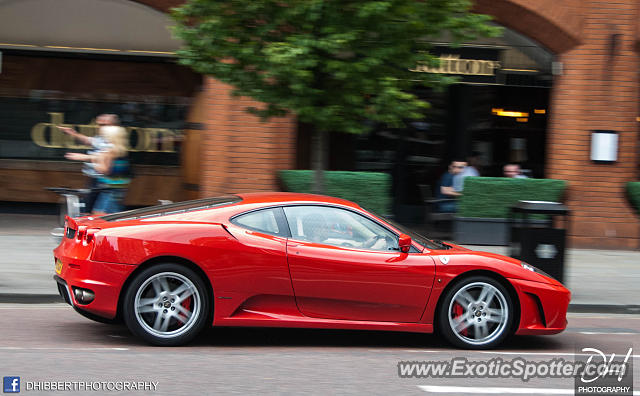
(58, 267)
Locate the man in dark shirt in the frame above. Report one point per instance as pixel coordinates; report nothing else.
(445, 188)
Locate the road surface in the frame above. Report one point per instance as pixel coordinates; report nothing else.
(51, 342)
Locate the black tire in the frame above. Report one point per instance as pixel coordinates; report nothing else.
(467, 320)
(154, 306)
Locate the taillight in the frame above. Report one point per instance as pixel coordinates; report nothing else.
(91, 232)
(85, 234)
(82, 230)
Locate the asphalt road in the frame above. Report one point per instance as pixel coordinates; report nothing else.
(53, 343)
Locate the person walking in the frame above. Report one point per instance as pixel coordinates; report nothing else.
(112, 163)
(97, 143)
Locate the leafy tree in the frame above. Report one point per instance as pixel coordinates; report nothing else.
(333, 63)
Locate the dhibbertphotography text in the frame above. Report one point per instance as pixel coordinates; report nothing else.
(91, 386)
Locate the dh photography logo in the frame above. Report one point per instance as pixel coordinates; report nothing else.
(604, 372)
(11, 384)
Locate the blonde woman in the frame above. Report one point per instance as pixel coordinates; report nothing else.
(111, 164)
(96, 143)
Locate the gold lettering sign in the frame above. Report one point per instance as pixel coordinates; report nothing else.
(157, 140)
(452, 64)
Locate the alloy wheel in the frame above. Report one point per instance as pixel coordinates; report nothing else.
(478, 313)
(167, 304)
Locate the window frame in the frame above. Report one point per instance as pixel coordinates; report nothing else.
(413, 249)
(279, 215)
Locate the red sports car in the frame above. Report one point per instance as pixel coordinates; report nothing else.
(294, 260)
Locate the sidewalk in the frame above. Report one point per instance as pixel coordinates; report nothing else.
(599, 280)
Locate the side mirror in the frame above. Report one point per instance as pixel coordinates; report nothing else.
(404, 242)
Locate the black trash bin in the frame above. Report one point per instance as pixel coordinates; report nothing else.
(540, 240)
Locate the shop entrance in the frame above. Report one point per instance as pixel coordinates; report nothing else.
(500, 124)
(500, 114)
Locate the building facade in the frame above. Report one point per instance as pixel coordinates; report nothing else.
(583, 78)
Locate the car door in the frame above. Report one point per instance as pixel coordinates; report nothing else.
(259, 266)
(345, 265)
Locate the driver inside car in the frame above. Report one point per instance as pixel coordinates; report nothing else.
(376, 242)
(315, 228)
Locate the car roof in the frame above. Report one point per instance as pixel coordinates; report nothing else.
(289, 197)
(225, 205)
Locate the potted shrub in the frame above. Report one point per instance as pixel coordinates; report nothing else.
(371, 190)
(483, 209)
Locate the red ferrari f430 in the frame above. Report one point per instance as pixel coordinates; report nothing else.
(294, 260)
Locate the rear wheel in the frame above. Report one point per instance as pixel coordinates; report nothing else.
(476, 313)
(166, 304)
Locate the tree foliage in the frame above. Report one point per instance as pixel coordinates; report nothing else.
(333, 63)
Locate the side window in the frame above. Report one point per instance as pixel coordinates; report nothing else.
(338, 227)
(261, 220)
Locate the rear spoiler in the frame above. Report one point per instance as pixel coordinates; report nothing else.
(71, 222)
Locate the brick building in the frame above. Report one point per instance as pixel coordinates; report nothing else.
(583, 78)
(596, 44)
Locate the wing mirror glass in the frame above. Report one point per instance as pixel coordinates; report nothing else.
(404, 242)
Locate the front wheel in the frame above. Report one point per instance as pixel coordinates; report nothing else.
(476, 313)
(166, 304)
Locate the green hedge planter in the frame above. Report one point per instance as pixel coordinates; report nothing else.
(633, 189)
(371, 190)
(483, 209)
(491, 197)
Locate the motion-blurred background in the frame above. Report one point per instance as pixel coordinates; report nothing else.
(557, 93)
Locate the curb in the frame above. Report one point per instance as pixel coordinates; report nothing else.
(21, 298)
(604, 308)
(16, 298)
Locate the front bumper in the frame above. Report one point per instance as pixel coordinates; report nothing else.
(543, 307)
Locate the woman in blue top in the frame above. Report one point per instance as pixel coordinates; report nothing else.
(96, 143)
(112, 163)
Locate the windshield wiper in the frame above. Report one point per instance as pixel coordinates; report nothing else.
(439, 242)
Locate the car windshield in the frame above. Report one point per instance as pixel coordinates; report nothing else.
(421, 239)
(173, 208)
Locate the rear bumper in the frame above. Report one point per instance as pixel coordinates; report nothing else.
(543, 307)
(104, 279)
(63, 289)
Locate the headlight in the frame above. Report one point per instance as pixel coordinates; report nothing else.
(535, 269)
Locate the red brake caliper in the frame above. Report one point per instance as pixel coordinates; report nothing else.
(186, 303)
(458, 311)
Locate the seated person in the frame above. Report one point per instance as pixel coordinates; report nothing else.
(315, 228)
(446, 189)
(513, 171)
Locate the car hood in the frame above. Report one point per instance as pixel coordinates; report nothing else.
(509, 267)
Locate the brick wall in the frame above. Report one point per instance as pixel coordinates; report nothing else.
(241, 153)
(557, 24)
(598, 90)
(161, 5)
